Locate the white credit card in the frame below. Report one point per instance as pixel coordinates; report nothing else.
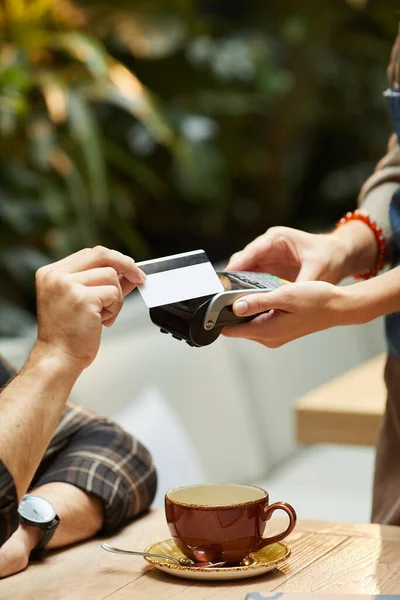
(177, 278)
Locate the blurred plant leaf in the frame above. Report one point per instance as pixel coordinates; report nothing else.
(42, 140)
(34, 11)
(19, 176)
(17, 212)
(26, 11)
(55, 202)
(84, 49)
(148, 36)
(55, 93)
(200, 172)
(230, 102)
(77, 195)
(15, 9)
(138, 171)
(86, 133)
(132, 239)
(130, 95)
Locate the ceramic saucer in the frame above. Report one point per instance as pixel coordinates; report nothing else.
(261, 562)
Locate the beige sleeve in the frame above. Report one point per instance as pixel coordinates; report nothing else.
(376, 193)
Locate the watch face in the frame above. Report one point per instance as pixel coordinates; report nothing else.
(36, 509)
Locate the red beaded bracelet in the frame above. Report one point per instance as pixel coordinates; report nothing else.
(358, 215)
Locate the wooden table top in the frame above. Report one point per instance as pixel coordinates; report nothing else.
(329, 557)
(346, 410)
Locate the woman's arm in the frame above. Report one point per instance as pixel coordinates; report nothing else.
(301, 308)
(377, 297)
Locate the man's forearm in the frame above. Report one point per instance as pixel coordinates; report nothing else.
(30, 408)
(81, 514)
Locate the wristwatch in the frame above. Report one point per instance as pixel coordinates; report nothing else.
(36, 511)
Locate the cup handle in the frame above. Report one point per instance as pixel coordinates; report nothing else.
(267, 514)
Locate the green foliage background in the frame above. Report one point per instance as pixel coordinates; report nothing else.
(158, 127)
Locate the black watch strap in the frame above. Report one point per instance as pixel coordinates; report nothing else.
(50, 530)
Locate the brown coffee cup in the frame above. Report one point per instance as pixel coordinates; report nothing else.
(222, 522)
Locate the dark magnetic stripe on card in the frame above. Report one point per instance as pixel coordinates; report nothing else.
(172, 264)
